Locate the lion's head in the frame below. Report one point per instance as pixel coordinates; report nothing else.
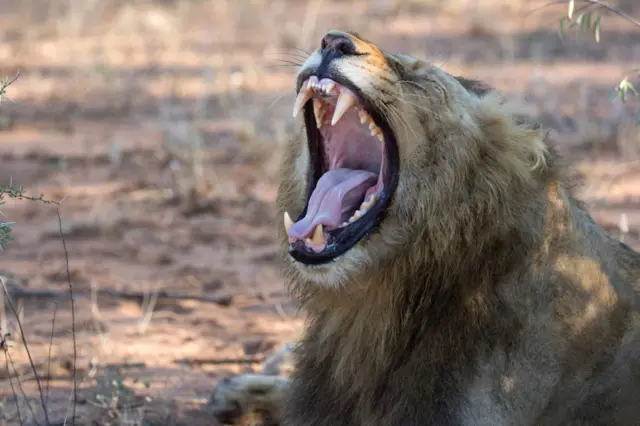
(398, 161)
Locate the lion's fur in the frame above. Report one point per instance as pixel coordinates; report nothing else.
(487, 296)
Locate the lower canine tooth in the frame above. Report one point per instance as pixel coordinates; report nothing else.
(318, 235)
(363, 116)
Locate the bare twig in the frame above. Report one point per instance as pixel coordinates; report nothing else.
(73, 316)
(26, 347)
(19, 383)
(6, 83)
(53, 324)
(3, 344)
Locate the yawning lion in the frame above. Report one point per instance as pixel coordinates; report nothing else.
(448, 273)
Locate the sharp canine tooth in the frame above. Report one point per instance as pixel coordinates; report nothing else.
(318, 235)
(302, 98)
(345, 101)
(318, 111)
(288, 222)
(363, 116)
(329, 87)
(380, 137)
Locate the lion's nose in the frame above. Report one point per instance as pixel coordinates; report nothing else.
(338, 42)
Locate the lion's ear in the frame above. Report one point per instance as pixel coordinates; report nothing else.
(407, 62)
(477, 87)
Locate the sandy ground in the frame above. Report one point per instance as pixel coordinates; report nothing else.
(114, 103)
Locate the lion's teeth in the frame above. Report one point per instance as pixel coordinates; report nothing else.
(364, 117)
(318, 235)
(380, 137)
(302, 98)
(345, 101)
(364, 208)
(288, 222)
(328, 87)
(366, 205)
(318, 111)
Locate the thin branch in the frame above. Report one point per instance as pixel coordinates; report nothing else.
(615, 11)
(13, 390)
(6, 83)
(53, 324)
(10, 362)
(73, 316)
(26, 347)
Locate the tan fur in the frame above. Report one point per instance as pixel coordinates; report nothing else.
(487, 296)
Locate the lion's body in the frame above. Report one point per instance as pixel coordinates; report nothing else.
(488, 295)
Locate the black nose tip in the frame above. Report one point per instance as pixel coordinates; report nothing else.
(338, 43)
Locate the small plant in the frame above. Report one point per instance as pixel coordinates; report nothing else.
(586, 17)
(8, 191)
(16, 192)
(117, 401)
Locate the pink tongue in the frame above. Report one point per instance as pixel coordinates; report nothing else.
(338, 191)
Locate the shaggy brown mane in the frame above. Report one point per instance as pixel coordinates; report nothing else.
(485, 296)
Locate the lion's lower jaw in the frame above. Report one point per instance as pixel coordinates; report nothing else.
(334, 274)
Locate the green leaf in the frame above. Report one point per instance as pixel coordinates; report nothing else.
(561, 27)
(596, 30)
(572, 4)
(580, 22)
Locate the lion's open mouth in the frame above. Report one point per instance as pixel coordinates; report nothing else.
(353, 172)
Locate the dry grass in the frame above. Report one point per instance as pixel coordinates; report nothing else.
(160, 125)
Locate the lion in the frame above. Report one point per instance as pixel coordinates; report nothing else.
(448, 273)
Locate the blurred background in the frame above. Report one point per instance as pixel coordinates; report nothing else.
(160, 124)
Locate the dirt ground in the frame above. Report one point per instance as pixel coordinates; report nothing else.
(158, 125)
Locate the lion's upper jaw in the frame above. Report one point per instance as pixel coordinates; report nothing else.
(453, 173)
